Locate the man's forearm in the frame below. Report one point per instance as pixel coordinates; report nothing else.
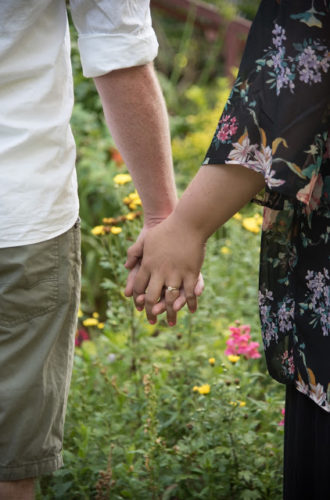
(136, 114)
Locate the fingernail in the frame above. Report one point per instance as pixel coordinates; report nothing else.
(139, 308)
(152, 321)
(170, 323)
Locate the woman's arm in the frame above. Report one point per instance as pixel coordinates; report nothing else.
(174, 250)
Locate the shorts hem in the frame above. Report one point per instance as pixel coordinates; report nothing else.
(31, 469)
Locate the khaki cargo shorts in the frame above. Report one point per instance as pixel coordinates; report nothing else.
(39, 298)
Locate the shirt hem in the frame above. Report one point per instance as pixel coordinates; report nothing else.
(40, 239)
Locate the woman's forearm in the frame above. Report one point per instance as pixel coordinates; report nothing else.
(215, 194)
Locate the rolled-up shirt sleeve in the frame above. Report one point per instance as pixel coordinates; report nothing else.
(113, 34)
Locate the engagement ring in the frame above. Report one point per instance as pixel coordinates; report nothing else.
(171, 288)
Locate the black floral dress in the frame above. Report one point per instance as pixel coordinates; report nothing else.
(277, 122)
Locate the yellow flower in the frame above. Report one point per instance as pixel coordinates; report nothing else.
(132, 200)
(116, 230)
(204, 389)
(122, 179)
(195, 388)
(98, 230)
(130, 216)
(80, 313)
(233, 358)
(90, 322)
(95, 315)
(108, 220)
(237, 403)
(225, 250)
(100, 326)
(237, 216)
(250, 224)
(212, 361)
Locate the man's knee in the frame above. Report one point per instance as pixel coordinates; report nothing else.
(23, 489)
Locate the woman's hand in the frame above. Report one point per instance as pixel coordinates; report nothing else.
(172, 257)
(133, 264)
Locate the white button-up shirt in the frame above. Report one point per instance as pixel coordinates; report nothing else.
(38, 186)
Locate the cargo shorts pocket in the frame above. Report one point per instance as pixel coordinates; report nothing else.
(28, 281)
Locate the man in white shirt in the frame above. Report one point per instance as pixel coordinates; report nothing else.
(39, 235)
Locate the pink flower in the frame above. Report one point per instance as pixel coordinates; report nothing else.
(222, 135)
(239, 342)
(245, 328)
(225, 118)
(228, 128)
(233, 129)
(281, 422)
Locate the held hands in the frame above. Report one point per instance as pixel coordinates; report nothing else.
(169, 274)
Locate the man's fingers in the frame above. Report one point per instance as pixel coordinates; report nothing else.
(199, 288)
(130, 280)
(172, 292)
(134, 254)
(189, 290)
(139, 301)
(180, 302)
(160, 307)
(140, 285)
(152, 296)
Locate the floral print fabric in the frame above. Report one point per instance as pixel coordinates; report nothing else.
(276, 121)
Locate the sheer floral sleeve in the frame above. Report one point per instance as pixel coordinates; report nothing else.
(276, 119)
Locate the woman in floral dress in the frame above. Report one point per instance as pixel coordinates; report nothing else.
(273, 133)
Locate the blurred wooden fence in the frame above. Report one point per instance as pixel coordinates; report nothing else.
(208, 18)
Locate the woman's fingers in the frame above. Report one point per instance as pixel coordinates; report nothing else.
(159, 299)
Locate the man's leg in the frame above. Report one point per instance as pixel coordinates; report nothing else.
(39, 298)
(17, 490)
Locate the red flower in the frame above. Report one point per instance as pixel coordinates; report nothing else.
(81, 335)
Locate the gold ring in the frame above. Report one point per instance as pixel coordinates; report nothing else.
(172, 288)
